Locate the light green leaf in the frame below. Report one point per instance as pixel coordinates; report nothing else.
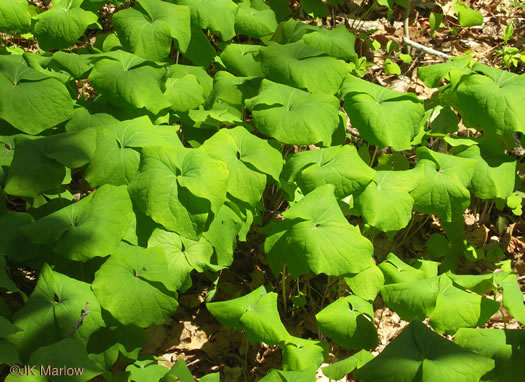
(490, 99)
(86, 229)
(494, 174)
(467, 16)
(180, 190)
(184, 93)
(200, 51)
(391, 67)
(39, 164)
(240, 60)
(256, 313)
(306, 375)
(366, 284)
(385, 203)
(29, 100)
(340, 166)
(129, 81)
(68, 351)
(14, 16)
(216, 15)
(300, 354)
(147, 30)
(294, 116)
(512, 295)
(249, 160)
(456, 308)
(255, 19)
(337, 42)
(444, 191)
(382, 116)
(135, 287)
(183, 255)
(204, 79)
(147, 370)
(341, 368)
(52, 311)
(78, 65)
(61, 26)
(420, 354)
(299, 65)
(431, 75)
(116, 159)
(316, 237)
(348, 321)
(503, 346)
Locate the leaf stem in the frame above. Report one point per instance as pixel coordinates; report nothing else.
(373, 156)
(283, 282)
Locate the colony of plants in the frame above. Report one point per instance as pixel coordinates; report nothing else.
(238, 145)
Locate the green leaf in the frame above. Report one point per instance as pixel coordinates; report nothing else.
(337, 42)
(39, 164)
(178, 372)
(240, 60)
(61, 26)
(299, 65)
(386, 203)
(306, 375)
(444, 191)
(420, 354)
(456, 308)
(184, 93)
(86, 229)
(391, 67)
(14, 16)
(315, 7)
(256, 313)
(147, 370)
(294, 116)
(249, 160)
(14, 244)
(316, 237)
(180, 71)
(52, 311)
(494, 174)
(503, 346)
(467, 16)
(147, 30)
(431, 75)
(512, 295)
(78, 65)
(340, 166)
(349, 322)
(29, 100)
(341, 368)
(116, 158)
(128, 80)
(382, 116)
(200, 51)
(435, 20)
(134, 286)
(183, 256)
(216, 15)
(490, 99)
(54, 358)
(180, 190)
(255, 19)
(82, 119)
(300, 354)
(366, 284)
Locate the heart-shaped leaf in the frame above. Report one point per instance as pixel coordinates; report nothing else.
(86, 229)
(46, 100)
(383, 116)
(302, 66)
(14, 16)
(148, 29)
(294, 116)
(316, 237)
(62, 25)
(52, 311)
(419, 353)
(135, 287)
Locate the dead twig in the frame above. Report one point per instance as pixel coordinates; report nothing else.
(425, 48)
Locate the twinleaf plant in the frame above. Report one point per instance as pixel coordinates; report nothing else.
(153, 150)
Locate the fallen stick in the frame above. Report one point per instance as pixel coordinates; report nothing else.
(425, 49)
